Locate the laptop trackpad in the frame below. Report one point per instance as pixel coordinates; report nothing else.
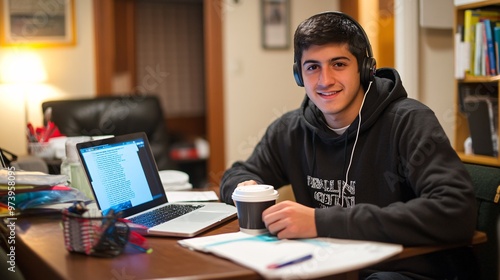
(201, 216)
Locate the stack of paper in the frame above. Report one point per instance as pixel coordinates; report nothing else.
(30, 178)
(22, 190)
(263, 252)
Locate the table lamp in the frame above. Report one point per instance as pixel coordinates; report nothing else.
(22, 70)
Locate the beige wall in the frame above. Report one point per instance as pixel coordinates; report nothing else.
(436, 75)
(70, 71)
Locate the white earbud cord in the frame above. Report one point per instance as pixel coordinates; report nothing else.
(354, 146)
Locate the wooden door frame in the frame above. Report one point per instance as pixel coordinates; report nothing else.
(214, 88)
(104, 45)
(384, 16)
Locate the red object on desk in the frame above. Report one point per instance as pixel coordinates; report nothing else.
(31, 133)
(43, 134)
(184, 153)
(49, 129)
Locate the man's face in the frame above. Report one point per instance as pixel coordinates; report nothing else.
(331, 80)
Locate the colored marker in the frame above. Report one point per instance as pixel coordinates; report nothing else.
(290, 262)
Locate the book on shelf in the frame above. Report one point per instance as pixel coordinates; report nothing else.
(462, 54)
(496, 37)
(475, 35)
(478, 50)
(491, 61)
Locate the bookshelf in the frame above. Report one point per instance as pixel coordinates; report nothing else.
(477, 86)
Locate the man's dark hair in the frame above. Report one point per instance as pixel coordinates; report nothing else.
(330, 27)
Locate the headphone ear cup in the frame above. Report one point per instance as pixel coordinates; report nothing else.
(297, 75)
(367, 71)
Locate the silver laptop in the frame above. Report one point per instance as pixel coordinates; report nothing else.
(124, 177)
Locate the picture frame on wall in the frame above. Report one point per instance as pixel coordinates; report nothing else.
(275, 16)
(37, 23)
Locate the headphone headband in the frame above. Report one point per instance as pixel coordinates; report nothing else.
(367, 69)
(369, 52)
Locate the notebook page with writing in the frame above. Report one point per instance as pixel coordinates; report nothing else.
(329, 256)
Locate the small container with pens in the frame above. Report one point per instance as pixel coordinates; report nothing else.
(43, 150)
(93, 234)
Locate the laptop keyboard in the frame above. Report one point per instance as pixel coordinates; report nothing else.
(163, 214)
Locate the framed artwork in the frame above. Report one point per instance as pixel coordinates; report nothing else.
(275, 24)
(37, 23)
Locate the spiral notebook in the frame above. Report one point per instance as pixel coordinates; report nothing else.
(124, 177)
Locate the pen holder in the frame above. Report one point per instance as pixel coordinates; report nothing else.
(42, 150)
(94, 235)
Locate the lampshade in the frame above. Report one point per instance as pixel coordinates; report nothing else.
(22, 67)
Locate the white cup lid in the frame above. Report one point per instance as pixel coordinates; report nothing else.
(255, 193)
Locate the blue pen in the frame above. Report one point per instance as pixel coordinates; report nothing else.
(287, 263)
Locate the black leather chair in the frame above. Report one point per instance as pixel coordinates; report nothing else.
(114, 115)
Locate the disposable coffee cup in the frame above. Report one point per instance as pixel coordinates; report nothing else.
(250, 202)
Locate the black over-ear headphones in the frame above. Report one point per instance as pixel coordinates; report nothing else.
(367, 70)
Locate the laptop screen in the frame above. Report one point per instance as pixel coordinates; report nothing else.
(122, 173)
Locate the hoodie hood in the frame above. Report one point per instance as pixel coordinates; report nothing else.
(386, 88)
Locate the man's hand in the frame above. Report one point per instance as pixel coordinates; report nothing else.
(247, 183)
(290, 219)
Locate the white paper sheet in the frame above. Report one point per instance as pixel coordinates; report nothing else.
(330, 256)
(187, 196)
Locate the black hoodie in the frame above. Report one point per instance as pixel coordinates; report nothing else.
(405, 183)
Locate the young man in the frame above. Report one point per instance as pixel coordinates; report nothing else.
(364, 160)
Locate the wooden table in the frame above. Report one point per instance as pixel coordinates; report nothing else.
(40, 254)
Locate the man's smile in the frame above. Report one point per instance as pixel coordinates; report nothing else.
(328, 93)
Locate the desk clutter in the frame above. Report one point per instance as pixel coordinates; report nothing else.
(41, 140)
(32, 192)
(88, 232)
(36, 192)
(174, 180)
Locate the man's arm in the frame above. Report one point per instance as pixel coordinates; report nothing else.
(264, 166)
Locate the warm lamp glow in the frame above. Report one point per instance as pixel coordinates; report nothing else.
(22, 67)
(22, 72)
